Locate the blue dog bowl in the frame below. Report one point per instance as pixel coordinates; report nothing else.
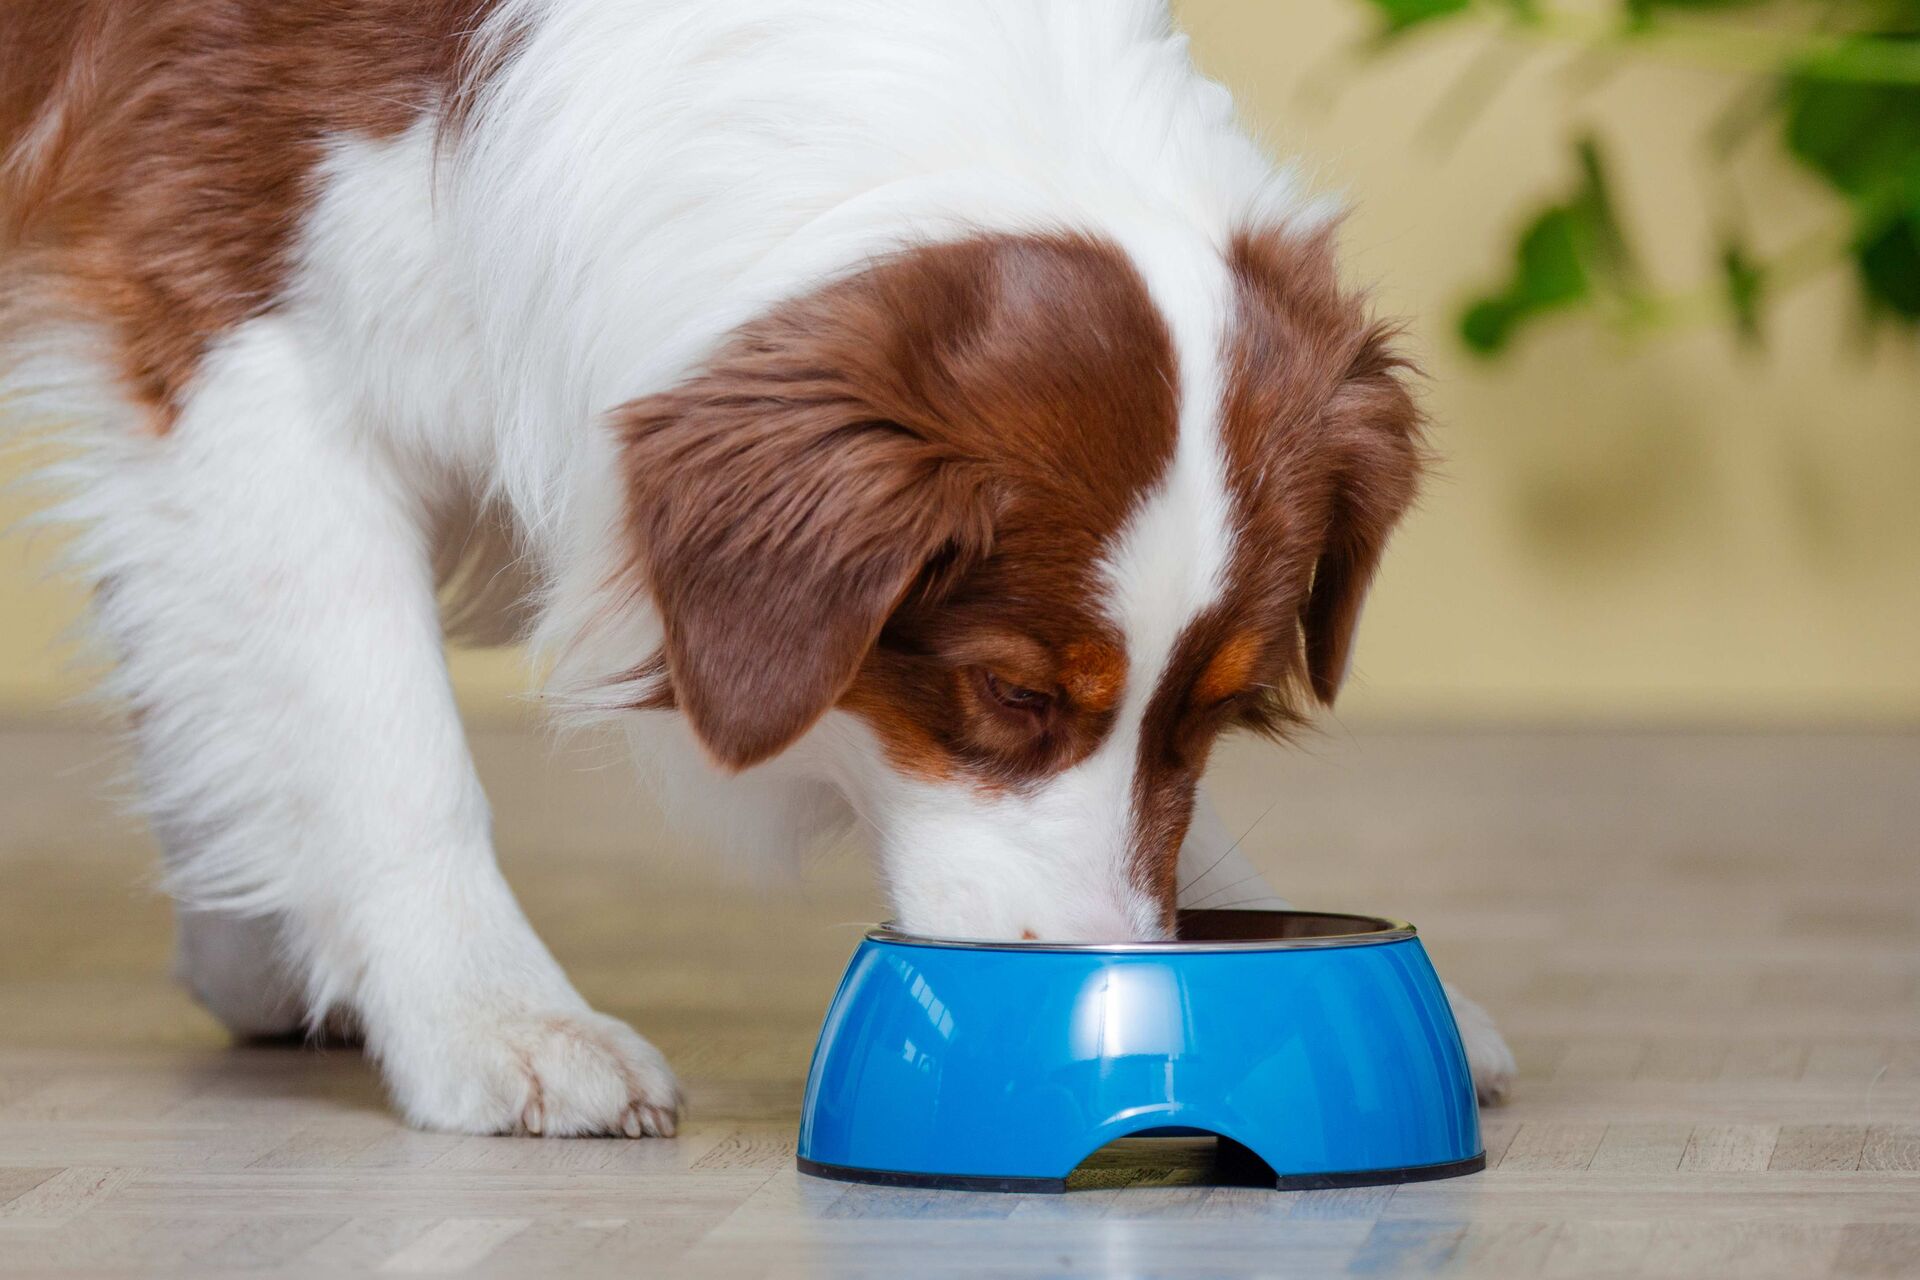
(1320, 1046)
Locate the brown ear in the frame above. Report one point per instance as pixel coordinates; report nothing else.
(778, 522)
(1332, 612)
(1318, 384)
(1374, 428)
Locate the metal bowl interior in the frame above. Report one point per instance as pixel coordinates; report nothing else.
(1204, 930)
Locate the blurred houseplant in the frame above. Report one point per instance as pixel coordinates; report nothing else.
(1837, 82)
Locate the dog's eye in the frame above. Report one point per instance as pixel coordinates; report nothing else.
(1012, 696)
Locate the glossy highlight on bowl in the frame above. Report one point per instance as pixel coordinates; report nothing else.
(1318, 1047)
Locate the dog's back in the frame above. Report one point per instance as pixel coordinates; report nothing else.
(156, 158)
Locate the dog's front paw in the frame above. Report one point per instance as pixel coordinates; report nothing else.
(1488, 1058)
(560, 1074)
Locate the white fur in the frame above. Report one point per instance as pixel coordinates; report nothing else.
(643, 176)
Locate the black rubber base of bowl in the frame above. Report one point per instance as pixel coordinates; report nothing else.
(1381, 1177)
(987, 1182)
(928, 1181)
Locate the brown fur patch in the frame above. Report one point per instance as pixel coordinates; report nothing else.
(1322, 442)
(882, 488)
(156, 157)
(1230, 671)
(1093, 673)
(1177, 734)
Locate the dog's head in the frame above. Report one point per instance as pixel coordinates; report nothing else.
(1029, 535)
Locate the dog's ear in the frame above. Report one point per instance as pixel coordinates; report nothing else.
(1316, 383)
(779, 516)
(1373, 429)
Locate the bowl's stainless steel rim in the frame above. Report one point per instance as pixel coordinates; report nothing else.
(1373, 931)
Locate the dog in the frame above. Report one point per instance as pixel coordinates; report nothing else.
(940, 414)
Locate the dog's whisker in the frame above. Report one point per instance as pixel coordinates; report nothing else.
(1209, 871)
(1229, 850)
(1245, 902)
(1227, 888)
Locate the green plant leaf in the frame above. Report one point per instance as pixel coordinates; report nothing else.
(1643, 13)
(1863, 138)
(1594, 206)
(1567, 255)
(1487, 325)
(1401, 15)
(1552, 269)
(1649, 7)
(1889, 267)
(1744, 281)
(1549, 272)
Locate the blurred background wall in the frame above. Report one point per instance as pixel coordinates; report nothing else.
(1670, 528)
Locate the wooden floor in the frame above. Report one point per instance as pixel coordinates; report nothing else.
(1706, 951)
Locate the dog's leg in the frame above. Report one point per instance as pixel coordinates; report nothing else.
(1215, 873)
(236, 966)
(266, 585)
(1488, 1058)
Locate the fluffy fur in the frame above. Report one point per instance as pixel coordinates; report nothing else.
(807, 380)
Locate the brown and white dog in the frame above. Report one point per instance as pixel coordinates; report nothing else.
(936, 412)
